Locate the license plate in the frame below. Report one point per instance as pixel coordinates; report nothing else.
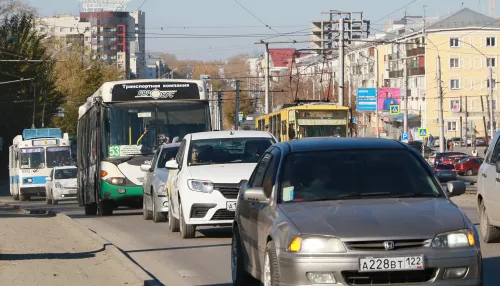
(391, 263)
(231, 206)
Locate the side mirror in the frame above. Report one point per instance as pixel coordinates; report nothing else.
(242, 183)
(172, 165)
(48, 179)
(497, 166)
(256, 195)
(456, 188)
(146, 168)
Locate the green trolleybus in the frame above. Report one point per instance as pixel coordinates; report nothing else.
(120, 127)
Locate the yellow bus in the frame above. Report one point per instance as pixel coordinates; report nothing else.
(308, 120)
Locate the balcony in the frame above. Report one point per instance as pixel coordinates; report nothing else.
(395, 74)
(416, 71)
(416, 51)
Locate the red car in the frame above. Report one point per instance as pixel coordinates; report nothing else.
(469, 166)
(451, 158)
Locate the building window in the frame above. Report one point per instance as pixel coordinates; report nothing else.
(493, 82)
(454, 84)
(491, 42)
(454, 43)
(454, 63)
(455, 105)
(452, 126)
(491, 62)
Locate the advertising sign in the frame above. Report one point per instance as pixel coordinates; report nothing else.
(367, 99)
(388, 96)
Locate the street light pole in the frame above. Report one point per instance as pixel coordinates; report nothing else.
(492, 128)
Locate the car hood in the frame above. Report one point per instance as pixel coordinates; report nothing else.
(67, 183)
(223, 173)
(376, 218)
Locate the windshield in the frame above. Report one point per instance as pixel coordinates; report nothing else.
(139, 127)
(65, 174)
(32, 158)
(322, 123)
(227, 150)
(445, 166)
(354, 174)
(59, 156)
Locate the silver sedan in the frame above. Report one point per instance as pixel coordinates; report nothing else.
(344, 212)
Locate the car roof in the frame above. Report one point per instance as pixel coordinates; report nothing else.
(170, 145)
(332, 143)
(230, 134)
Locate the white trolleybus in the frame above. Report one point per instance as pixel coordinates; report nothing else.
(120, 127)
(32, 157)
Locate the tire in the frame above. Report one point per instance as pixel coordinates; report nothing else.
(173, 223)
(91, 209)
(271, 269)
(239, 275)
(15, 197)
(489, 232)
(470, 172)
(157, 216)
(187, 230)
(48, 199)
(105, 208)
(23, 198)
(146, 214)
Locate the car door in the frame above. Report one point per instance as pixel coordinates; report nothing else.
(489, 182)
(262, 214)
(174, 184)
(148, 177)
(248, 227)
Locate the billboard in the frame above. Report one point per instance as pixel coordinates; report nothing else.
(367, 99)
(388, 96)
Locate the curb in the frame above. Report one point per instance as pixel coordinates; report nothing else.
(118, 254)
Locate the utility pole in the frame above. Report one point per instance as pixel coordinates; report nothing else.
(341, 63)
(492, 128)
(267, 98)
(440, 107)
(219, 102)
(405, 74)
(237, 104)
(34, 106)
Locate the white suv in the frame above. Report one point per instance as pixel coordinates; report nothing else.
(205, 176)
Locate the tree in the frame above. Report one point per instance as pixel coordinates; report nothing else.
(76, 84)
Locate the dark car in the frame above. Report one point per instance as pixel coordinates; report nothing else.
(480, 141)
(437, 157)
(343, 211)
(445, 172)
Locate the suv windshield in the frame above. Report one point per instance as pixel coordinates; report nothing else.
(354, 174)
(65, 174)
(227, 150)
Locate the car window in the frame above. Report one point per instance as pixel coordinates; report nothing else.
(270, 176)
(260, 170)
(180, 153)
(495, 155)
(155, 158)
(166, 155)
(443, 166)
(344, 174)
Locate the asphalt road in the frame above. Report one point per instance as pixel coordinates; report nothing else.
(204, 260)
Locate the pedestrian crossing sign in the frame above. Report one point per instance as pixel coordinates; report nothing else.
(422, 132)
(394, 109)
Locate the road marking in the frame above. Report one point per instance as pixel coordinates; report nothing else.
(187, 273)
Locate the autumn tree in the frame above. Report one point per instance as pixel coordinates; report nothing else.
(75, 83)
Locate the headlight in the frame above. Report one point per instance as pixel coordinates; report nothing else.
(454, 239)
(116, 181)
(316, 244)
(58, 185)
(200, 186)
(162, 189)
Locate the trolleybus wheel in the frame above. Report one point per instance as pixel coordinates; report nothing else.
(91, 209)
(105, 208)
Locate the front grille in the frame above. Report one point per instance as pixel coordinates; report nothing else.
(379, 245)
(388, 277)
(223, 215)
(200, 210)
(229, 193)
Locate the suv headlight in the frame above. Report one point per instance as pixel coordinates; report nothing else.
(116, 181)
(454, 239)
(200, 186)
(316, 244)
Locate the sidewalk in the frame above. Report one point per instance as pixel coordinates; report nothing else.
(46, 250)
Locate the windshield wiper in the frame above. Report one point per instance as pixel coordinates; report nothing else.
(419, 195)
(357, 195)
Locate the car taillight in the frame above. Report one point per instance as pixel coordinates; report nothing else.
(453, 170)
(436, 170)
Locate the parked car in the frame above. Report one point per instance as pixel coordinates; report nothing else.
(469, 166)
(206, 175)
(304, 219)
(450, 159)
(61, 185)
(445, 172)
(437, 157)
(154, 187)
(480, 141)
(459, 158)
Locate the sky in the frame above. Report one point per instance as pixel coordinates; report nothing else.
(237, 29)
